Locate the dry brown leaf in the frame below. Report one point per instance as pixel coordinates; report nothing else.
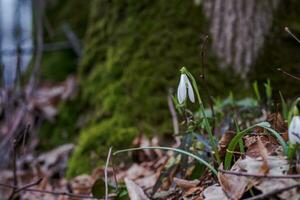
(82, 184)
(269, 185)
(185, 184)
(137, 171)
(264, 154)
(233, 186)
(214, 192)
(135, 192)
(270, 143)
(147, 181)
(277, 122)
(194, 193)
(277, 165)
(223, 143)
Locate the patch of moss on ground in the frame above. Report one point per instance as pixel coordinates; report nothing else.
(93, 144)
(133, 53)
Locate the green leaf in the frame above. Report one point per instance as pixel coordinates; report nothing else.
(256, 91)
(122, 194)
(268, 88)
(172, 149)
(284, 107)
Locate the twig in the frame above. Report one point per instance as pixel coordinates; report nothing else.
(50, 192)
(292, 34)
(173, 113)
(288, 176)
(15, 178)
(114, 173)
(29, 185)
(210, 99)
(105, 173)
(288, 74)
(73, 39)
(274, 192)
(39, 8)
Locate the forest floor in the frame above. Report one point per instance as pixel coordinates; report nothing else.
(260, 171)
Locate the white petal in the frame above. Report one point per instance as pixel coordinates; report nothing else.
(294, 130)
(190, 91)
(181, 91)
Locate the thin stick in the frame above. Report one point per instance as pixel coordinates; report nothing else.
(15, 178)
(51, 192)
(105, 173)
(173, 113)
(39, 8)
(210, 99)
(292, 34)
(288, 74)
(274, 192)
(114, 173)
(37, 182)
(288, 176)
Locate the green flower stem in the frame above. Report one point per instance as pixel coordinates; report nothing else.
(207, 125)
(213, 170)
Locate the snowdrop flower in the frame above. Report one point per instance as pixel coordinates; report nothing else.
(185, 87)
(294, 130)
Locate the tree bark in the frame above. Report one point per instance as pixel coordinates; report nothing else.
(238, 29)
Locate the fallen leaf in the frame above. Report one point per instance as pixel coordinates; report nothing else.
(268, 185)
(214, 192)
(224, 141)
(277, 165)
(185, 184)
(135, 192)
(233, 186)
(264, 154)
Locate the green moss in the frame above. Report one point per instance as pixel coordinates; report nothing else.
(93, 144)
(58, 65)
(133, 53)
(65, 127)
(133, 50)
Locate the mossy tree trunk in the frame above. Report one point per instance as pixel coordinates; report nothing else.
(133, 52)
(134, 49)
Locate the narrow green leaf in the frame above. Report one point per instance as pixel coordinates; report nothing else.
(256, 91)
(284, 106)
(240, 135)
(171, 149)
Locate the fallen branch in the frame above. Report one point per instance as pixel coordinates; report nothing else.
(37, 182)
(288, 176)
(26, 188)
(274, 192)
(288, 74)
(15, 178)
(292, 34)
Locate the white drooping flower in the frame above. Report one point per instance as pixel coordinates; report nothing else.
(185, 87)
(294, 130)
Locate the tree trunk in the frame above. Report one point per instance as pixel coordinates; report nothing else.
(238, 29)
